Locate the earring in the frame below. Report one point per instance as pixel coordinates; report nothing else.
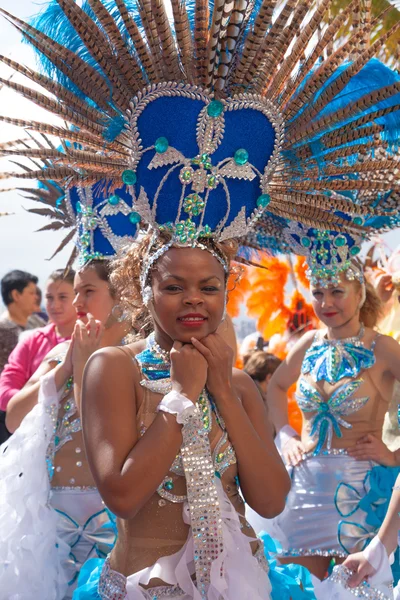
(118, 313)
(147, 295)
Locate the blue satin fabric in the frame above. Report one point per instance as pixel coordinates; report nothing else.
(286, 579)
(88, 580)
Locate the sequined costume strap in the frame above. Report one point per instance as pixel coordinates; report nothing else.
(202, 493)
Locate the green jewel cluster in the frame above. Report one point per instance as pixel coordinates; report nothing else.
(185, 231)
(203, 160)
(193, 205)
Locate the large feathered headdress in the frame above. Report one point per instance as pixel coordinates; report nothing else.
(221, 117)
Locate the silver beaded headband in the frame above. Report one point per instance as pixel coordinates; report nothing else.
(152, 257)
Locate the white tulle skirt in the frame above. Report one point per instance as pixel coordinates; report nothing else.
(45, 534)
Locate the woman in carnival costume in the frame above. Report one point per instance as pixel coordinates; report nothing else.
(208, 129)
(52, 518)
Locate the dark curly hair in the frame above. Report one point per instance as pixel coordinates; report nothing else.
(127, 269)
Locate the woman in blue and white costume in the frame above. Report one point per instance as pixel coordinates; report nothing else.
(52, 518)
(345, 376)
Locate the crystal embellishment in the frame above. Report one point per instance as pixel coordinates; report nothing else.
(333, 360)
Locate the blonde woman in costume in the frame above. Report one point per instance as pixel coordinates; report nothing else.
(345, 375)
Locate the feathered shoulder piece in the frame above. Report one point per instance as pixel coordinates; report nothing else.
(219, 117)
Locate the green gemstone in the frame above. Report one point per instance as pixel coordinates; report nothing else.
(161, 145)
(134, 217)
(78, 207)
(215, 109)
(205, 158)
(114, 199)
(57, 440)
(241, 156)
(212, 181)
(207, 165)
(129, 177)
(168, 485)
(355, 250)
(263, 200)
(220, 457)
(306, 242)
(183, 238)
(187, 175)
(358, 220)
(340, 241)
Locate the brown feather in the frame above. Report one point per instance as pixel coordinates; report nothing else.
(183, 38)
(138, 42)
(54, 107)
(167, 42)
(61, 93)
(68, 238)
(362, 104)
(201, 17)
(97, 45)
(127, 63)
(321, 75)
(80, 73)
(309, 216)
(277, 54)
(220, 18)
(255, 38)
(279, 81)
(229, 44)
(340, 82)
(150, 28)
(271, 42)
(323, 43)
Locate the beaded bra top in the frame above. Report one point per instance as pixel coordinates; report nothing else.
(155, 368)
(332, 361)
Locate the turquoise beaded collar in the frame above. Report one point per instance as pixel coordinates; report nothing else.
(333, 360)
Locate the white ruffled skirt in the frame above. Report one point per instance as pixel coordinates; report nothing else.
(45, 534)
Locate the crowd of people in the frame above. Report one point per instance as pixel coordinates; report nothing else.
(138, 463)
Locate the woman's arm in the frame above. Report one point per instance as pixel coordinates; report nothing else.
(16, 372)
(23, 402)
(128, 469)
(264, 480)
(285, 376)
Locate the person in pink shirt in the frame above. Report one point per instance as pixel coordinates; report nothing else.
(35, 345)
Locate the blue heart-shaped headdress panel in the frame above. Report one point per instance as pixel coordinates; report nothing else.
(105, 222)
(200, 167)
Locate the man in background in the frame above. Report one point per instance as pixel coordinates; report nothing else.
(19, 293)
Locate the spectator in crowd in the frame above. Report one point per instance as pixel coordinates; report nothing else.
(261, 366)
(35, 345)
(18, 290)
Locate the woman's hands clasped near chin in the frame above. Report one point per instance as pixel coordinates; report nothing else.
(219, 358)
(188, 370)
(86, 340)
